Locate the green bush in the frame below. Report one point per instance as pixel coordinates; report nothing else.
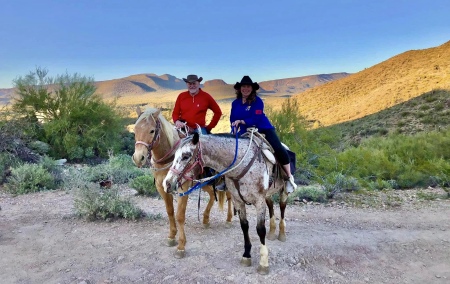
(144, 185)
(119, 169)
(410, 161)
(7, 161)
(336, 182)
(293, 130)
(94, 203)
(29, 178)
(40, 147)
(78, 124)
(310, 193)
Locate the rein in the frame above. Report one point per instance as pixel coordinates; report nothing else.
(202, 182)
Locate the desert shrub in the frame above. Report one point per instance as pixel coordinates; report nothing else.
(144, 185)
(29, 178)
(310, 193)
(380, 184)
(78, 124)
(54, 167)
(40, 147)
(293, 130)
(336, 182)
(119, 169)
(410, 161)
(93, 203)
(7, 162)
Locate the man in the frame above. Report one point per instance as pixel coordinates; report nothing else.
(191, 107)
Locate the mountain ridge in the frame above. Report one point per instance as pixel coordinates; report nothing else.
(393, 81)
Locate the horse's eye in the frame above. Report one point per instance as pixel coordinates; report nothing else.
(185, 157)
(153, 131)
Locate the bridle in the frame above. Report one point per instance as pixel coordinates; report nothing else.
(196, 160)
(155, 140)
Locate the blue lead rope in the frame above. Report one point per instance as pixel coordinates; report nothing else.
(199, 185)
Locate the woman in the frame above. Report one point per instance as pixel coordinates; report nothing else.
(247, 110)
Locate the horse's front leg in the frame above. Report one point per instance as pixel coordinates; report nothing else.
(168, 201)
(271, 236)
(181, 218)
(246, 259)
(283, 202)
(263, 267)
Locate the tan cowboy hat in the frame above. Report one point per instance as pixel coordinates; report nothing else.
(192, 78)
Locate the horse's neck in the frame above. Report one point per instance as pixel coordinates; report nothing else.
(163, 147)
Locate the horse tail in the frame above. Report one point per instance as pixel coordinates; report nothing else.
(221, 198)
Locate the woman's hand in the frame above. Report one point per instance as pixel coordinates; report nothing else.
(237, 122)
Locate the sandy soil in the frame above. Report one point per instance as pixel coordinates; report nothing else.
(42, 241)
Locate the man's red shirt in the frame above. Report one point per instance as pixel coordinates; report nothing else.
(192, 109)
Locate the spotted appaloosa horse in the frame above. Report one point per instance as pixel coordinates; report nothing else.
(156, 142)
(249, 182)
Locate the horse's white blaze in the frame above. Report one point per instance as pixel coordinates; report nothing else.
(264, 256)
(177, 166)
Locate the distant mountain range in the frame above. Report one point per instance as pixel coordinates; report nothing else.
(326, 98)
(152, 84)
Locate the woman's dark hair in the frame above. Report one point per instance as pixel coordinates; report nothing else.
(251, 98)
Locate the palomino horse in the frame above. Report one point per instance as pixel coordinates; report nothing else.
(249, 182)
(156, 142)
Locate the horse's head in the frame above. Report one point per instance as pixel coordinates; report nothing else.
(146, 133)
(186, 165)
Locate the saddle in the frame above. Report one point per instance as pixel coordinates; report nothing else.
(266, 148)
(269, 153)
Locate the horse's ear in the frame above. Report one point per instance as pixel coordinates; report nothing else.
(195, 138)
(156, 113)
(138, 111)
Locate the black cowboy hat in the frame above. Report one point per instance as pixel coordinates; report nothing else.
(246, 80)
(192, 78)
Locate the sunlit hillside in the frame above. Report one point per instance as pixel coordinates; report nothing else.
(384, 85)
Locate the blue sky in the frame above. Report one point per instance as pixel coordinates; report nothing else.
(215, 39)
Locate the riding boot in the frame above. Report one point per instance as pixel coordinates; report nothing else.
(290, 185)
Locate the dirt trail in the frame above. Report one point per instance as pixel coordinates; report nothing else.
(41, 241)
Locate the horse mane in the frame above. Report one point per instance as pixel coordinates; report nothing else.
(166, 126)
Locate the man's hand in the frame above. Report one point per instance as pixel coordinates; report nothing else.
(179, 124)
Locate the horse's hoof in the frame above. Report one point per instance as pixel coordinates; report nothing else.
(271, 236)
(263, 270)
(206, 226)
(246, 262)
(171, 242)
(180, 254)
(282, 238)
(228, 225)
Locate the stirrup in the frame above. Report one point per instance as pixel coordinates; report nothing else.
(291, 186)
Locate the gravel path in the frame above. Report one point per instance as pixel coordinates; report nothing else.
(396, 239)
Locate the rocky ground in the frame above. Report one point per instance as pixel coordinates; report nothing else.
(393, 237)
